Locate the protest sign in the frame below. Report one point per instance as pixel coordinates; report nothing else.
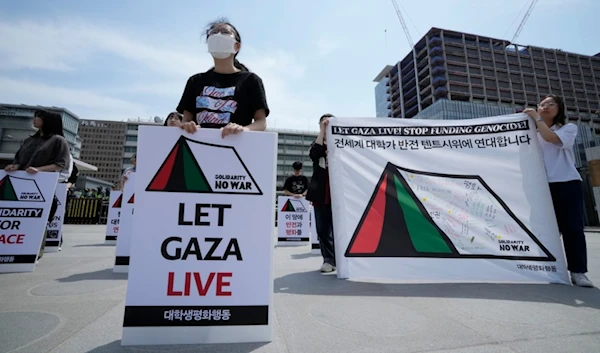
(25, 201)
(54, 230)
(113, 218)
(201, 263)
(126, 228)
(442, 200)
(293, 226)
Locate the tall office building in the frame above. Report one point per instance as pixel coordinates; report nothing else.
(111, 144)
(449, 65)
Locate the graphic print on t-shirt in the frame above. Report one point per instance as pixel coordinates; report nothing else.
(217, 105)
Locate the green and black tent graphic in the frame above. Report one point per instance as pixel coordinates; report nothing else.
(180, 172)
(13, 188)
(7, 191)
(118, 202)
(396, 224)
(293, 206)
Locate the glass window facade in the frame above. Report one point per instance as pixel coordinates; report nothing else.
(381, 98)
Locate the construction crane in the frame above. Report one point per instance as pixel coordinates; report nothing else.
(408, 37)
(522, 24)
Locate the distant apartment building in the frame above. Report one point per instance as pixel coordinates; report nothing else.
(110, 145)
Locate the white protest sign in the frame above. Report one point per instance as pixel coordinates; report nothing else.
(54, 230)
(126, 228)
(293, 226)
(25, 201)
(113, 218)
(315, 245)
(442, 200)
(202, 250)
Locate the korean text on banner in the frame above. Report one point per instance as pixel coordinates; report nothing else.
(114, 216)
(209, 246)
(54, 230)
(443, 200)
(292, 221)
(126, 228)
(25, 201)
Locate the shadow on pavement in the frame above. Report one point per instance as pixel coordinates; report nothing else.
(106, 274)
(314, 283)
(115, 347)
(92, 245)
(304, 256)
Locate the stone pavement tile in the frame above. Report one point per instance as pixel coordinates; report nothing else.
(39, 327)
(104, 336)
(358, 323)
(585, 343)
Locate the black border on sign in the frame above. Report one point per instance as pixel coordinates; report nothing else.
(122, 261)
(20, 259)
(286, 239)
(154, 316)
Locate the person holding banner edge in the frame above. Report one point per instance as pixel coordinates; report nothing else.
(228, 96)
(45, 151)
(319, 194)
(556, 138)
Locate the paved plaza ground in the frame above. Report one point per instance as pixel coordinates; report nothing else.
(74, 303)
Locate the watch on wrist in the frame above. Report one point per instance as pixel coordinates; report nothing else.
(539, 118)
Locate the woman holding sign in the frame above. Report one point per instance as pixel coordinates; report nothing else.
(228, 96)
(45, 151)
(557, 138)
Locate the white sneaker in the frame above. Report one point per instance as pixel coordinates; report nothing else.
(327, 268)
(581, 280)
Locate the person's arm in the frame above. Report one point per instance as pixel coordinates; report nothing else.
(186, 106)
(305, 187)
(287, 187)
(563, 137)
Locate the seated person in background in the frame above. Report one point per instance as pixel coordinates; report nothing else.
(297, 184)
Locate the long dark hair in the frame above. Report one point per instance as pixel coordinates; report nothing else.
(52, 123)
(561, 117)
(236, 34)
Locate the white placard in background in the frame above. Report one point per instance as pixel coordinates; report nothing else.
(25, 201)
(113, 218)
(293, 226)
(202, 250)
(126, 228)
(54, 230)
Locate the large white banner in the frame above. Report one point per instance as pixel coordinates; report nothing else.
(126, 228)
(54, 230)
(25, 201)
(434, 200)
(202, 250)
(293, 227)
(113, 218)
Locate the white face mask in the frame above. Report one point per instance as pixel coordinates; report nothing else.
(221, 46)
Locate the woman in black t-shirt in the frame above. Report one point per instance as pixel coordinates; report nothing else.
(228, 96)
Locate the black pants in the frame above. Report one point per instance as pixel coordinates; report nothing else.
(568, 207)
(50, 218)
(324, 223)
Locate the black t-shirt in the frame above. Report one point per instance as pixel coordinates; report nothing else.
(217, 99)
(296, 184)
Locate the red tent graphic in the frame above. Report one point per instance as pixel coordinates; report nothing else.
(396, 224)
(131, 199)
(118, 202)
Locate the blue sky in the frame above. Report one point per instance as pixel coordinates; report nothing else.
(127, 59)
